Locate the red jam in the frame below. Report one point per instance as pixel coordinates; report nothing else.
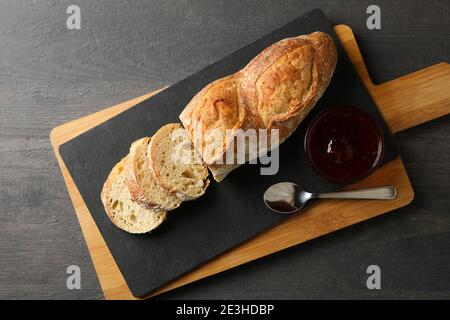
(344, 144)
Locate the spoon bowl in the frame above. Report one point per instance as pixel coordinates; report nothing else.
(286, 197)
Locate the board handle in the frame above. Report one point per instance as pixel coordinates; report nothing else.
(407, 101)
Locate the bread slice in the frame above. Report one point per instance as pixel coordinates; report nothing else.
(123, 212)
(143, 187)
(175, 163)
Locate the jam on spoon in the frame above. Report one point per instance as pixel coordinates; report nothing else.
(344, 144)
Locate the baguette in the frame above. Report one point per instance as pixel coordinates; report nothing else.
(275, 90)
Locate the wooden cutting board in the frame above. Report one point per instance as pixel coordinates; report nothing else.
(404, 102)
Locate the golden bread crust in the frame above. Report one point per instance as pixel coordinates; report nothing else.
(275, 90)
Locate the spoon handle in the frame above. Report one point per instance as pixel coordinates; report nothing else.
(383, 193)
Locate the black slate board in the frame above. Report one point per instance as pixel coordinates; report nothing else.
(230, 212)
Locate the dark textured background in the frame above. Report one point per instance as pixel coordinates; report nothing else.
(50, 75)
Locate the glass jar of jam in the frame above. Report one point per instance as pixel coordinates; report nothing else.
(344, 144)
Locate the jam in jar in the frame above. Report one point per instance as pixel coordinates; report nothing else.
(344, 144)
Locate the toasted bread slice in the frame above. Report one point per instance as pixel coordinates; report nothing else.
(176, 165)
(123, 212)
(143, 187)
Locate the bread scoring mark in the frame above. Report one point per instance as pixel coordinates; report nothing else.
(219, 109)
(286, 84)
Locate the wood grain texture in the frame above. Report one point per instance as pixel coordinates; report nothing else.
(407, 101)
(50, 75)
(313, 222)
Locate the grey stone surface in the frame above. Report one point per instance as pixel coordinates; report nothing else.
(50, 75)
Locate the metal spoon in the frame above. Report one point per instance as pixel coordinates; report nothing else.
(287, 197)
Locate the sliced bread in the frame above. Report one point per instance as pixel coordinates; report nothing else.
(175, 163)
(123, 212)
(139, 178)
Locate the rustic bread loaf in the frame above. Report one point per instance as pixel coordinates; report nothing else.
(122, 211)
(141, 183)
(276, 90)
(176, 165)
